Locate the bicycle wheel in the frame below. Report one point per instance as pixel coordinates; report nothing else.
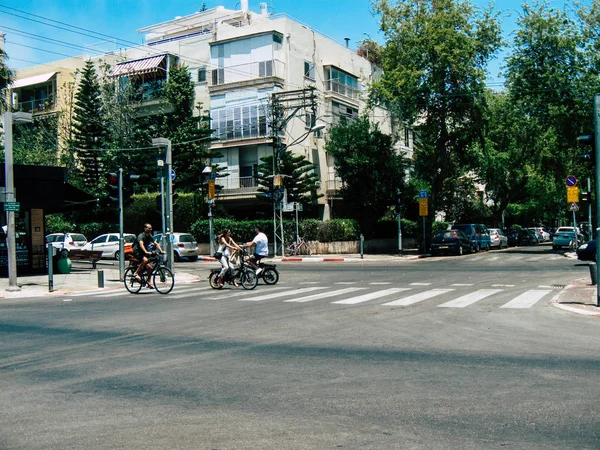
(249, 279)
(131, 284)
(270, 276)
(163, 280)
(212, 280)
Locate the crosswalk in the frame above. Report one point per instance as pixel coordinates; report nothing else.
(459, 295)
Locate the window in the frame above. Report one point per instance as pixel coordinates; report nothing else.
(309, 70)
(239, 122)
(218, 76)
(277, 39)
(340, 111)
(341, 82)
(202, 75)
(113, 238)
(265, 68)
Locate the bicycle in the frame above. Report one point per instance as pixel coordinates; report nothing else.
(300, 247)
(243, 274)
(162, 278)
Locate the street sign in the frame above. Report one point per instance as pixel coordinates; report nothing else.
(211, 189)
(423, 194)
(12, 206)
(572, 194)
(571, 181)
(172, 174)
(423, 207)
(574, 207)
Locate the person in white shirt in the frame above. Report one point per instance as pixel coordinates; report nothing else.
(262, 249)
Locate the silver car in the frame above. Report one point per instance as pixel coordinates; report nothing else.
(498, 238)
(184, 246)
(66, 241)
(108, 244)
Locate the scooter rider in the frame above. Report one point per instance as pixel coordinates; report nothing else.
(262, 249)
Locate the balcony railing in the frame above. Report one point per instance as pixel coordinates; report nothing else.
(342, 89)
(36, 105)
(238, 182)
(246, 72)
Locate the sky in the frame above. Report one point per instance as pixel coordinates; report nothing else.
(117, 21)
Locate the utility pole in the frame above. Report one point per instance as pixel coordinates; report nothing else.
(167, 176)
(121, 244)
(284, 106)
(597, 159)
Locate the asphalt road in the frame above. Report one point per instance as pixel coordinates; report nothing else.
(455, 352)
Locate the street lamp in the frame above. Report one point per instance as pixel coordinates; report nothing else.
(207, 171)
(9, 182)
(168, 181)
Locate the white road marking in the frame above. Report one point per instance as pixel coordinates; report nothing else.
(67, 299)
(371, 296)
(469, 299)
(237, 292)
(462, 284)
(526, 299)
(543, 286)
(375, 283)
(503, 285)
(420, 284)
(418, 297)
(346, 282)
(281, 294)
(325, 295)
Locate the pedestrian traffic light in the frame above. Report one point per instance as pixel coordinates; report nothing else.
(113, 189)
(588, 139)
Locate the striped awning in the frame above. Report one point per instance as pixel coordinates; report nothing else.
(30, 81)
(140, 66)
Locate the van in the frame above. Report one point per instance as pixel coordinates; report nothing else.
(477, 232)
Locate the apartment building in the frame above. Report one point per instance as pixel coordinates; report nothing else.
(238, 59)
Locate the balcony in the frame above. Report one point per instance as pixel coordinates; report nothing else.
(243, 75)
(341, 89)
(36, 106)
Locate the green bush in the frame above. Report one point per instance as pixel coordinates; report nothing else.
(56, 223)
(436, 227)
(92, 229)
(338, 230)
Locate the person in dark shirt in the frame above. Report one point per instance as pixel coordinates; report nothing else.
(142, 248)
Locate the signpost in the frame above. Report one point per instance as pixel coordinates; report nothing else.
(423, 212)
(12, 206)
(572, 194)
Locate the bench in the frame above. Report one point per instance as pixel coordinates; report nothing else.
(92, 256)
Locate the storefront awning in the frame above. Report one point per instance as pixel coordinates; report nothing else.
(30, 81)
(75, 198)
(138, 67)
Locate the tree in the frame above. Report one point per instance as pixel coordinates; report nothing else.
(372, 171)
(434, 67)
(36, 144)
(371, 50)
(6, 78)
(89, 128)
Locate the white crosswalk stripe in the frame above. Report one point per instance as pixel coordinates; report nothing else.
(281, 294)
(182, 293)
(469, 299)
(371, 296)
(526, 299)
(412, 299)
(321, 295)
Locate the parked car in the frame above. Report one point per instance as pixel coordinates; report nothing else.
(544, 236)
(528, 237)
(184, 246)
(451, 241)
(497, 238)
(587, 251)
(478, 234)
(512, 235)
(109, 244)
(538, 235)
(565, 237)
(66, 241)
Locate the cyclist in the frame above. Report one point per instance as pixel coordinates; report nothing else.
(142, 248)
(261, 251)
(226, 243)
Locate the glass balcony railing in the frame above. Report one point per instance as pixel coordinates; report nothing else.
(36, 105)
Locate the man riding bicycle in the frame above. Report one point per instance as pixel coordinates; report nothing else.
(142, 248)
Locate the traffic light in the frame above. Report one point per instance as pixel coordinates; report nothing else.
(585, 196)
(128, 191)
(113, 188)
(588, 139)
(398, 204)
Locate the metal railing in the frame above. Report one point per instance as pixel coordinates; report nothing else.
(246, 72)
(37, 105)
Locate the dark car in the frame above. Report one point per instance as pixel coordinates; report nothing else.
(477, 233)
(587, 251)
(451, 241)
(528, 237)
(513, 237)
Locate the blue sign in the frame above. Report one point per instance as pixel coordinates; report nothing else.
(172, 174)
(423, 194)
(571, 181)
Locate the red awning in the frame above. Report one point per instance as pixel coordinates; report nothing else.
(138, 67)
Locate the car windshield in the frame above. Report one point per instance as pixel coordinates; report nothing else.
(55, 237)
(186, 238)
(78, 238)
(464, 228)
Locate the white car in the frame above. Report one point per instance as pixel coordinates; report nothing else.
(545, 235)
(184, 246)
(498, 238)
(66, 241)
(109, 244)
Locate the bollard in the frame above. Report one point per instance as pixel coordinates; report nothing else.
(101, 278)
(362, 240)
(593, 273)
(50, 268)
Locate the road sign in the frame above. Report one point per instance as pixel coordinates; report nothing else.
(571, 181)
(423, 194)
(172, 174)
(423, 209)
(572, 194)
(211, 189)
(12, 206)
(574, 207)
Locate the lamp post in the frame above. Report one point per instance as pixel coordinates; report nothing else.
(211, 229)
(167, 176)
(9, 118)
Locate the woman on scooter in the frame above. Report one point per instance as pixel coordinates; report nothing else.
(226, 246)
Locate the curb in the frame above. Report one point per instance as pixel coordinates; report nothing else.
(555, 302)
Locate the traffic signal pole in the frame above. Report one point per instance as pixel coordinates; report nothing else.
(121, 244)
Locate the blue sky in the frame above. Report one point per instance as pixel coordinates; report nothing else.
(120, 19)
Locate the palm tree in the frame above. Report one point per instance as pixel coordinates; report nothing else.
(6, 79)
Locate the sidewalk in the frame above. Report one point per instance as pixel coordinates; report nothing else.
(578, 297)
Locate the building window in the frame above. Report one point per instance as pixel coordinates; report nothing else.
(309, 70)
(339, 112)
(202, 75)
(265, 69)
(341, 82)
(241, 122)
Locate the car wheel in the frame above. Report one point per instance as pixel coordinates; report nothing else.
(117, 255)
(460, 250)
(177, 257)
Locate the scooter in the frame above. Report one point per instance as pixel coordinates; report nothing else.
(269, 273)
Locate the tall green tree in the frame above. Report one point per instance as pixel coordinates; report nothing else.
(89, 128)
(434, 62)
(6, 78)
(372, 171)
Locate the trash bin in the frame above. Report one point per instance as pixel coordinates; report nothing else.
(63, 265)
